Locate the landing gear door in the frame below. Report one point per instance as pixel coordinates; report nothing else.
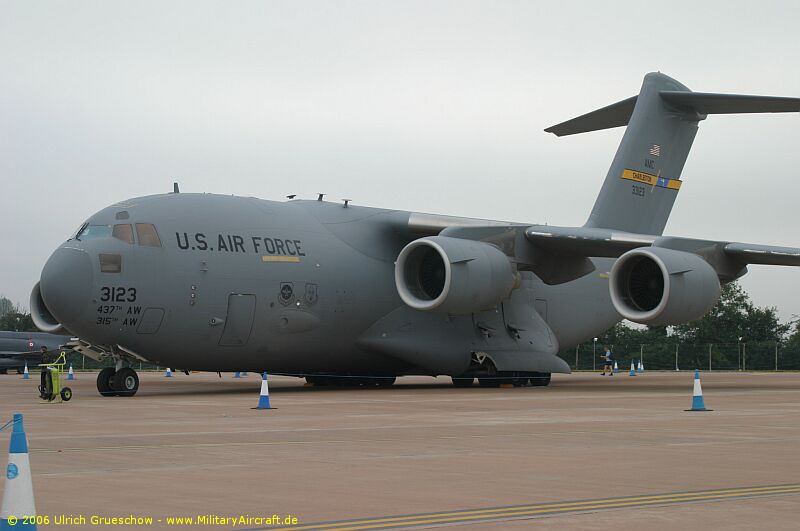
(239, 321)
(525, 317)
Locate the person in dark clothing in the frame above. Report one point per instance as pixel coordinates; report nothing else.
(608, 362)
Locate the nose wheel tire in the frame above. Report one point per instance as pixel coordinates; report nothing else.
(126, 382)
(105, 382)
(66, 394)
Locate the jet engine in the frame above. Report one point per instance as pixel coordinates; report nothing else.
(658, 286)
(453, 275)
(42, 317)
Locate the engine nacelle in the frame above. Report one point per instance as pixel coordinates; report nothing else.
(452, 275)
(657, 286)
(42, 317)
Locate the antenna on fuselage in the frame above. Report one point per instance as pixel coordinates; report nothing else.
(320, 196)
(291, 196)
(346, 202)
(175, 188)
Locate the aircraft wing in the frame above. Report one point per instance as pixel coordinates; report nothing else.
(763, 254)
(582, 241)
(729, 259)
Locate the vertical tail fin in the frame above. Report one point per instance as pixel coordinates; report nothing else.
(644, 178)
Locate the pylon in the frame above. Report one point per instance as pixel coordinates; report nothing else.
(263, 400)
(70, 374)
(237, 374)
(25, 375)
(633, 370)
(698, 404)
(18, 494)
(616, 368)
(168, 374)
(639, 366)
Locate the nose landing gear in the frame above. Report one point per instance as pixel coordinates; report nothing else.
(113, 382)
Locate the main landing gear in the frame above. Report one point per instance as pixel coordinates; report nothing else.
(117, 382)
(350, 381)
(483, 368)
(517, 379)
(503, 378)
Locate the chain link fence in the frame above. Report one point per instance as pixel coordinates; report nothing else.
(752, 356)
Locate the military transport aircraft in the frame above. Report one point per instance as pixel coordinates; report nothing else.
(328, 291)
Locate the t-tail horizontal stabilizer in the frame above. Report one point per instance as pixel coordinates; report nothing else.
(703, 103)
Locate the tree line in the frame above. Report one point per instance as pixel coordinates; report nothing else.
(735, 334)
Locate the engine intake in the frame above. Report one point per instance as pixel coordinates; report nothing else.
(657, 286)
(453, 275)
(41, 315)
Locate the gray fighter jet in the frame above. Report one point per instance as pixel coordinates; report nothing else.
(338, 292)
(19, 348)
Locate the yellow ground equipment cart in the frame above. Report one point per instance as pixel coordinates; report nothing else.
(52, 379)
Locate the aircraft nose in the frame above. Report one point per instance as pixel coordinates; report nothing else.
(66, 283)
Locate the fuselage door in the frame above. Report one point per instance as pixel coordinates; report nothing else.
(239, 321)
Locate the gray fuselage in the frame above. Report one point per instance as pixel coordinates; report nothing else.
(295, 287)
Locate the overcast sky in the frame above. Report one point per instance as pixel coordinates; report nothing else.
(434, 106)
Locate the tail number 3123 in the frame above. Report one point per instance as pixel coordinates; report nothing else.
(117, 294)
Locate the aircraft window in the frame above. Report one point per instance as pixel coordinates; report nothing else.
(110, 263)
(93, 231)
(147, 235)
(123, 232)
(77, 231)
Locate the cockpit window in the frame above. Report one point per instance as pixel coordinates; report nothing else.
(87, 232)
(147, 235)
(77, 231)
(123, 232)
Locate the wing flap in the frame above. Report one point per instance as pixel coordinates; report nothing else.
(763, 254)
(586, 241)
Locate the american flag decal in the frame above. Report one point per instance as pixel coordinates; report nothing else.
(655, 150)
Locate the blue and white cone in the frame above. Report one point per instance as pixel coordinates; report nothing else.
(633, 369)
(639, 366)
(237, 374)
(70, 374)
(18, 493)
(168, 374)
(263, 400)
(616, 368)
(25, 375)
(698, 404)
